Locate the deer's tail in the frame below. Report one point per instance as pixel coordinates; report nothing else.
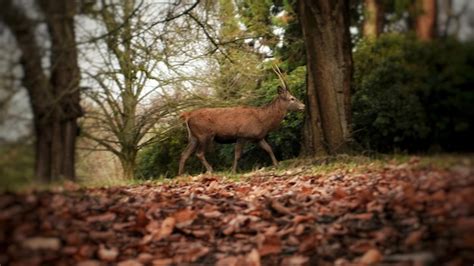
(185, 116)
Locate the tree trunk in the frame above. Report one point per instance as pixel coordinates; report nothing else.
(325, 25)
(54, 100)
(425, 22)
(373, 18)
(128, 163)
(65, 84)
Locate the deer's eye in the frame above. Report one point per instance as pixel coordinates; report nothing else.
(292, 99)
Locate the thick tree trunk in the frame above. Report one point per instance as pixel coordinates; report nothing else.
(54, 100)
(425, 22)
(325, 25)
(373, 18)
(65, 85)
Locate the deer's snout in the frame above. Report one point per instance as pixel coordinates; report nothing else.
(301, 106)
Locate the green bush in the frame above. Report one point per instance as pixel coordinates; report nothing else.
(413, 96)
(161, 159)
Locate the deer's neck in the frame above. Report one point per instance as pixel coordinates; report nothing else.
(273, 113)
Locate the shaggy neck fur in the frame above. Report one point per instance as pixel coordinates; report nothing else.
(273, 113)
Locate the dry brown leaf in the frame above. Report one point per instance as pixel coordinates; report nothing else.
(294, 260)
(37, 243)
(212, 214)
(253, 258)
(414, 237)
(308, 243)
(271, 245)
(362, 246)
(86, 251)
(360, 216)
(106, 217)
(302, 218)
(184, 217)
(227, 261)
(277, 206)
(166, 228)
(153, 226)
(162, 262)
(144, 258)
(89, 263)
(339, 193)
(371, 257)
(141, 219)
(129, 263)
(107, 254)
(195, 253)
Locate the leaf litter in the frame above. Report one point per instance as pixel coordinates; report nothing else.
(401, 214)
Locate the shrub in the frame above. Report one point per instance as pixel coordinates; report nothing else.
(411, 95)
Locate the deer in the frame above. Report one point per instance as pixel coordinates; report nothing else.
(237, 125)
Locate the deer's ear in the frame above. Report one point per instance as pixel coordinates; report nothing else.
(281, 90)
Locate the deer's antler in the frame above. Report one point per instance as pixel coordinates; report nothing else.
(281, 76)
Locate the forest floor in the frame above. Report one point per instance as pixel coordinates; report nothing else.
(414, 211)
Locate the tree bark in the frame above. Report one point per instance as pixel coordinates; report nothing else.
(128, 163)
(373, 18)
(54, 99)
(426, 22)
(325, 25)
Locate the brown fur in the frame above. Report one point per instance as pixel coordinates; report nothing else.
(235, 124)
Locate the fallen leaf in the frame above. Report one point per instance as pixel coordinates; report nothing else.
(359, 216)
(36, 243)
(227, 261)
(162, 262)
(167, 228)
(89, 263)
(144, 258)
(253, 258)
(271, 245)
(371, 257)
(106, 217)
(107, 254)
(414, 237)
(277, 206)
(129, 263)
(195, 253)
(153, 226)
(294, 260)
(212, 214)
(184, 217)
(308, 243)
(302, 218)
(361, 246)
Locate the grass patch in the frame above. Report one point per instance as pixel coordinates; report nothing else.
(327, 165)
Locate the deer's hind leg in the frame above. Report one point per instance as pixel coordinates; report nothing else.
(201, 150)
(192, 145)
(238, 153)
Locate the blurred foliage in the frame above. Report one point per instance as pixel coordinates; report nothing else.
(413, 96)
(16, 165)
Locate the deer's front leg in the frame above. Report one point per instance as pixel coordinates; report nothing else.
(266, 147)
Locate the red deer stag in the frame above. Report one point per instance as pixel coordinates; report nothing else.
(236, 124)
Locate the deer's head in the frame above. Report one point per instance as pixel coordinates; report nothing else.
(285, 95)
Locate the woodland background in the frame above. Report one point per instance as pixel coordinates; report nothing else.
(91, 90)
